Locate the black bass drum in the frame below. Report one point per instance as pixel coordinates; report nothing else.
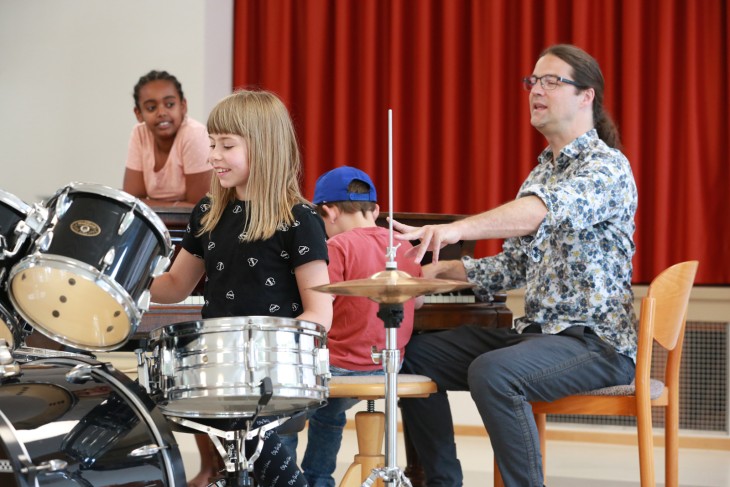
(78, 422)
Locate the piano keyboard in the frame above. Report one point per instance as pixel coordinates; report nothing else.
(449, 298)
(196, 300)
(445, 298)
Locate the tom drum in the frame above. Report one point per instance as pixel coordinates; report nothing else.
(86, 282)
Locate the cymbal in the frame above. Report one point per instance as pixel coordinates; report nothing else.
(392, 287)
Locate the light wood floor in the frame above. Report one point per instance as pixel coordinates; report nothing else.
(570, 464)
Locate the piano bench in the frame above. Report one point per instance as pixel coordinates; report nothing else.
(370, 424)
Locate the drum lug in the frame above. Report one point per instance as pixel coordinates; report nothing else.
(52, 465)
(62, 204)
(143, 303)
(79, 374)
(160, 266)
(45, 241)
(322, 362)
(143, 369)
(126, 222)
(146, 450)
(109, 259)
(167, 369)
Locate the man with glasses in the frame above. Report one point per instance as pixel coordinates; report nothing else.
(569, 243)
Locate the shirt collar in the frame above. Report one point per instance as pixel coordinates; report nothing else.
(570, 151)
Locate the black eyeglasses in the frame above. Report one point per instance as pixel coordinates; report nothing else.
(548, 82)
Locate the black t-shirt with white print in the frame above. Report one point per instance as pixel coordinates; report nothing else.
(254, 278)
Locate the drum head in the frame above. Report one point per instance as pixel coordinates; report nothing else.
(71, 308)
(8, 327)
(29, 406)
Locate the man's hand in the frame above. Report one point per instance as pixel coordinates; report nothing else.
(445, 269)
(432, 237)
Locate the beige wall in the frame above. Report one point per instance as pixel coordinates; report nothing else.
(67, 72)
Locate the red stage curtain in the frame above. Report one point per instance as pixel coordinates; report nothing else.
(450, 70)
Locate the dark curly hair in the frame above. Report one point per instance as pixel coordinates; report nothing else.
(154, 76)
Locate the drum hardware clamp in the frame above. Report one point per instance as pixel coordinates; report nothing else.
(34, 222)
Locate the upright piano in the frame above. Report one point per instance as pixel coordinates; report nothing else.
(439, 312)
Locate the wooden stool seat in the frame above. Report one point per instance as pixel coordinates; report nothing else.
(371, 387)
(370, 425)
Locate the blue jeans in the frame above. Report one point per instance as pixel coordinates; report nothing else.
(324, 435)
(504, 370)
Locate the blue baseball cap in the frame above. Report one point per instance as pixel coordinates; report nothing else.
(332, 186)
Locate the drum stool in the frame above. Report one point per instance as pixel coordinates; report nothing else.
(370, 424)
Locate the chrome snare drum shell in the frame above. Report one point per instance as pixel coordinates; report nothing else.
(213, 368)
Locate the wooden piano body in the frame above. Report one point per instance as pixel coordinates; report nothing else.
(450, 311)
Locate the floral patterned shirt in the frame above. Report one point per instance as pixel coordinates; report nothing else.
(576, 268)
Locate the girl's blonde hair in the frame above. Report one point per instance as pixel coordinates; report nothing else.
(274, 161)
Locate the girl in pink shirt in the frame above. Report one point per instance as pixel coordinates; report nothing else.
(168, 151)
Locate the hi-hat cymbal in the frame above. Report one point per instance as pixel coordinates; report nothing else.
(392, 287)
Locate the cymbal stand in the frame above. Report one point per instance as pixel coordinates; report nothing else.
(391, 474)
(392, 315)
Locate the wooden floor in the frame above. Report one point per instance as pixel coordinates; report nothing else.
(570, 464)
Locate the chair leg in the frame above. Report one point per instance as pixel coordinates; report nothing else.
(671, 445)
(646, 445)
(498, 482)
(541, 422)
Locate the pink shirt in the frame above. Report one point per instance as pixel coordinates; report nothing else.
(188, 155)
(358, 254)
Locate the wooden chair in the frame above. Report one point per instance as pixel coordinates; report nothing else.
(370, 424)
(662, 321)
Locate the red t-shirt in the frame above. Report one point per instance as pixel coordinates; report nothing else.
(358, 254)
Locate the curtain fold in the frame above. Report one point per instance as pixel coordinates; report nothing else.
(450, 70)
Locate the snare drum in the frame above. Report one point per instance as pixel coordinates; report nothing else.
(76, 421)
(86, 284)
(213, 368)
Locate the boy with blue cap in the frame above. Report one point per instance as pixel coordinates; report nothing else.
(347, 201)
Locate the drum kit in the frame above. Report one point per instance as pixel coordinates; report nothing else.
(77, 268)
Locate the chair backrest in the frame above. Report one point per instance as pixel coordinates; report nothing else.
(663, 319)
(670, 291)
